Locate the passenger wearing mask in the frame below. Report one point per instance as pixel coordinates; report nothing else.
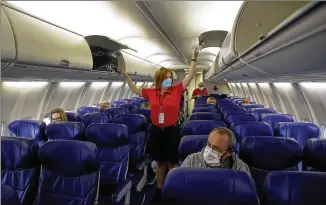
(199, 92)
(211, 100)
(146, 105)
(104, 105)
(218, 153)
(58, 114)
(165, 104)
(246, 100)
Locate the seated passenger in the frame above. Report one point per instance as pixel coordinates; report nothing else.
(246, 100)
(58, 114)
(104, 105)
(218, 153)
(211, 100)
(146, 105)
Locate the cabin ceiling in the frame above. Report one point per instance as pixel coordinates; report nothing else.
(169, 45)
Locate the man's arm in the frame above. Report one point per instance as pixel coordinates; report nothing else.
(187, 162)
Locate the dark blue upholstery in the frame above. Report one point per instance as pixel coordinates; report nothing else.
(90, 118)
(202, 99)
(114, 111)
(118, 103)
(204, 105)
(73, 117)
(300, 131)
(249, 106)
(137, 128)
(200, 127)
(259, 111)
(20, 167)
(295, 188)
(225, 104)
(231, 118)
(193, 186)
(204, 109)
(28, 129)
(191, 144)
(225, 109)
(314, 155)
(129, 106)
(243, 129)
(142, 111)
(65, 131)
(70, 173)
(233, 111)
(112, 142)
(205, 116)
(264, 154)
(9, 196)
(273, 119)
(84, 110)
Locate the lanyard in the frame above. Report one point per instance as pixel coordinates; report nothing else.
(161, 99)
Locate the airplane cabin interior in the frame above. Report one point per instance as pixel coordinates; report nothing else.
(77, 120)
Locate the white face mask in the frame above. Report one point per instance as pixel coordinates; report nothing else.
(211, 157)
(201, 88)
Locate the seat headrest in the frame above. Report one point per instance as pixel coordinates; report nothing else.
(18, 153)
(135, 122)
(259, 111)
(290, 187)
(191, 144)
(314, 154)
(231, 107)
(118, 103)
(273, 119)
(205, 116)
(129, 106)
(209, 186)
(249, 106)
(142, 111)
(204, 109)
(65, 131)
(107, 135)
(84, 110)
(73, 117)
(204, 105)
(29, 129)
(114, 111)
(201, 127)
(202, 99)
(270, 153)
(301, 131)
(234, 111)
(9, 196)
(243, 129)
(234, 117)
(90, 118)
(69, 157)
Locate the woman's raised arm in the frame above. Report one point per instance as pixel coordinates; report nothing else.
(192, 69)
(131, 84)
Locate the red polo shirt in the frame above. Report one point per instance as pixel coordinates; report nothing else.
(197, 91)
(170, 103)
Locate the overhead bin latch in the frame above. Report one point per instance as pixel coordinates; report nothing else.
(64, 63)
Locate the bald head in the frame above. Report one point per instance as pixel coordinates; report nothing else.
(200, 84)
(222, 140)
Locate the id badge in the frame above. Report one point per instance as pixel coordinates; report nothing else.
(161, 118)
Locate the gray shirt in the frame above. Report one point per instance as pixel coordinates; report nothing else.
(196, 160)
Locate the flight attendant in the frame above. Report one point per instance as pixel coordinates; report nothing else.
(199, 92)
(165, 104)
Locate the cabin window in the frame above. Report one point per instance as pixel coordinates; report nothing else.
(4, 131)
(323, 131)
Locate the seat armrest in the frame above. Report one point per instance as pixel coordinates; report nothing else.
(121, 190)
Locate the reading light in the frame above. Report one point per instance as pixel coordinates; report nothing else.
(99, 84)
(314, 85)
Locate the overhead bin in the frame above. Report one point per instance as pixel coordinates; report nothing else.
(135, 65)
(39, 43)
(8, 47)
(289, 46)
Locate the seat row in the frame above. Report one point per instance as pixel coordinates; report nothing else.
(194, 186)
(120, 149)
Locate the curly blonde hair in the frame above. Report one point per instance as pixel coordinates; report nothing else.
(62, 113)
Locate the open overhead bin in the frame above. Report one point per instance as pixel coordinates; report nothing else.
(270, 40)
(40, 43)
